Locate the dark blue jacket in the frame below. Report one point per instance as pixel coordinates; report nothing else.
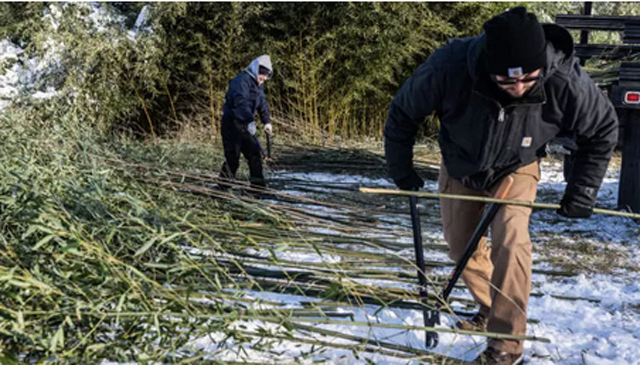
(243, 99)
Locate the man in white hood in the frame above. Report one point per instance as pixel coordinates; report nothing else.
(244, 97)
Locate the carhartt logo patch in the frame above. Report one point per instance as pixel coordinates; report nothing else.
(515, 72)
(526, 141)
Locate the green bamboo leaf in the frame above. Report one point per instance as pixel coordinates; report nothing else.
(317, 250)
(19, 284)
(157, 324)
(145, 247)
(39, 284)
(121, 302)
(217, 281)
(58, 339)
(73, 251)
(42, 242)
(96, 347)
(170, 238)
(111, 234)
(20, 321)
(31, 230)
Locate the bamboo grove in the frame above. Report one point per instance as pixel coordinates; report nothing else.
(337, 65)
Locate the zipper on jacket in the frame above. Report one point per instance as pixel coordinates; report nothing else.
(501, 113)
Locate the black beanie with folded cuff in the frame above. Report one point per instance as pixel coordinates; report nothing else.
(516, 44)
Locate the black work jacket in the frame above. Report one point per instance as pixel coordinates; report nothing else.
(484, 136)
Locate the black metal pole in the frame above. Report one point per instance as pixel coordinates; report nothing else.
(430, 317)
(472, 245)
(268, 147)
(584, 35)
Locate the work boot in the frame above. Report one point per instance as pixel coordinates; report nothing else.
(477, 323)
(492, 356)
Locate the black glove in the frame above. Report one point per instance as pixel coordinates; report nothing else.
(578, 202)
(410, 181)
(572, 209)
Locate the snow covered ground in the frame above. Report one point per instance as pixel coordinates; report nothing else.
(601, 328)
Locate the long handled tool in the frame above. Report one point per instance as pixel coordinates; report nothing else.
(430, 317)
(266, 157)
(268, 147)
(487, 217)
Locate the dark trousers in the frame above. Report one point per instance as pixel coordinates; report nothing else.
(237, 140)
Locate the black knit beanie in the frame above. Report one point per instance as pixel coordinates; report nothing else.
(516, 44)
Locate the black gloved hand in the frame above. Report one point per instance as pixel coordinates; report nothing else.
(410, 181)
(578, 201)
(573, 209)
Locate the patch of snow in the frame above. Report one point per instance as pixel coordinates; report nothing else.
(141, 23)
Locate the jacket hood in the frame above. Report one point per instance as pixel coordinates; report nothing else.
(559, 49)
(264, 61)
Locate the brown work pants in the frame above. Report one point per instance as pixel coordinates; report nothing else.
(498, 277)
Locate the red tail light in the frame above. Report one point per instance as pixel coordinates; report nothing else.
(632, 97)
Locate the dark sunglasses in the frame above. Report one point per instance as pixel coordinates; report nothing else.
(526, 80)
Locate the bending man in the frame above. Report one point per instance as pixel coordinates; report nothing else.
(501, 97)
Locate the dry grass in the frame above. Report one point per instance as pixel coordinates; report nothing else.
(579, 255)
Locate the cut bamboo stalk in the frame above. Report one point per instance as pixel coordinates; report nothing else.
(424, 194)
(273, 319)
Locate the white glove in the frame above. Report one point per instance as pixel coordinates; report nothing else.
(251, 127)
(268, 129)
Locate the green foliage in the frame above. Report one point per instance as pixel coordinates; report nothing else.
(343, 67)
(337, 65)
(112, 77)
(88, 256)
(19, 20)
(611, 8)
